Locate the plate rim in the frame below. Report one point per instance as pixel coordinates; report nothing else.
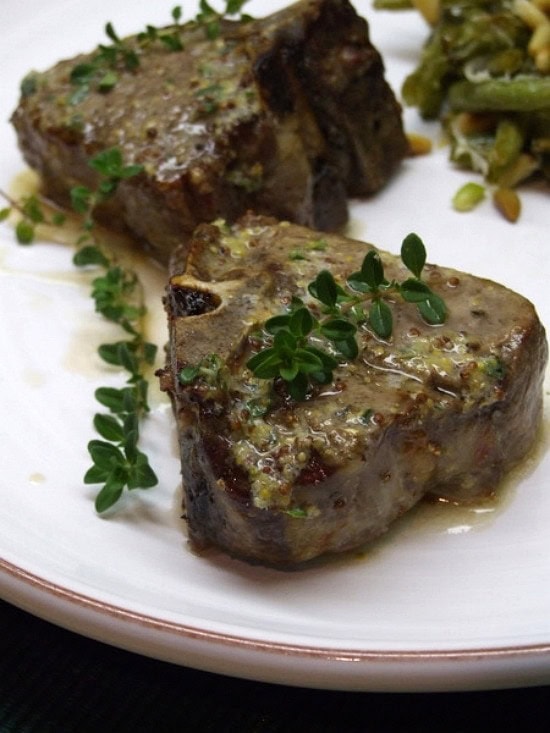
(351, 669)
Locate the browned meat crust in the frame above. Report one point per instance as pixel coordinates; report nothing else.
(451, 408)
(287, 115)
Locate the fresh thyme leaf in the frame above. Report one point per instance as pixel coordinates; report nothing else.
(110, 32)
(272, 325)
(32, 210)
(90, 255)
(111, 491)
(433, 310)
(188, 374)
(113, 353)
(108, 162)
(96, 475)
(109, 427)
(58, 219)
(206, 8)
(328, 362)
(107, 81)
(348, 348)
(296, 513)
(413, 254)
(324, 288)
(355, 282)
(105, 455)
(301, 322)
(338, 329)
(415, 291)
(172, 42)
(307, 361)
(81, 197)
(266, 364)
(380, 318)
(24, 231)
(372, 270)
(233, 7)
(298, 387)
(366, 416)
(149, 352)
(112, 398)
(29, 85)
(141, 475)
(82, 74)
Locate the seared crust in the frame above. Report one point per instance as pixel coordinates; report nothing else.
(451, 408)
(287, 115)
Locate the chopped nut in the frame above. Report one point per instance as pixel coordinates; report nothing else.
(508, 203)
(418, 144)
(429, 9)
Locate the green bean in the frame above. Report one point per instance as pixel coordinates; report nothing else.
(521, 94)
(477, 66)
(425, 87)
(508, 144)
(393, 5)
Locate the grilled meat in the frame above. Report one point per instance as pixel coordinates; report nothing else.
(287, 115)
(434, 410)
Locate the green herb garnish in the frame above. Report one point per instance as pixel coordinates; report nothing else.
(303, 348)
(170, 38)
(117, 461)
(210, 19)
(101, 72)
(209, 371)
(118, 297)
(112, 169)
(31, 213)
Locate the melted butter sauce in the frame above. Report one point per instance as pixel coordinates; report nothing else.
(37, 479)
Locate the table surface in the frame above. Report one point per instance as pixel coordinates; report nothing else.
(54, 680)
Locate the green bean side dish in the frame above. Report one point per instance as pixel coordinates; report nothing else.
(484, 71)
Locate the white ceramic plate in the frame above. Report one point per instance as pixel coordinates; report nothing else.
(450, 599)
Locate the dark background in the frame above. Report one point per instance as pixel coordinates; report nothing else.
(52, 680)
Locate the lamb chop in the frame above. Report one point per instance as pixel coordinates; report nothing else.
(440, 410)
(287, 115)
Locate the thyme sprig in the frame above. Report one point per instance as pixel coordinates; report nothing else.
(305, 345)
(117, 462)
(210, 19)
(102, 71)
(31, 214)
(112, 170)
(170, 38)
(118, 297)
